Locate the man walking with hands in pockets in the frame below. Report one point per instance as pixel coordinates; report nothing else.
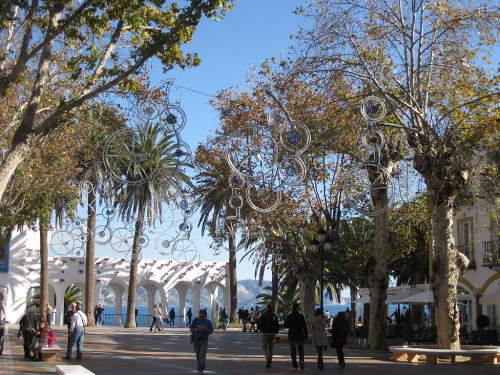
(201, 328)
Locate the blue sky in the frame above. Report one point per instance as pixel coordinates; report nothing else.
(252, 32)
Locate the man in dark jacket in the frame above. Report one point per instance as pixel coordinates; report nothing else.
(297, 334)
(268, 325)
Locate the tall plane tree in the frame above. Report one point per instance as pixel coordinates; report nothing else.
(88, 47)
(428, 61)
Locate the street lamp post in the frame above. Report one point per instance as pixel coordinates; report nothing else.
(323, 243)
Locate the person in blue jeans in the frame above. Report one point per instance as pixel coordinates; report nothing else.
(202, 328)
(77, 332)
(225, 318)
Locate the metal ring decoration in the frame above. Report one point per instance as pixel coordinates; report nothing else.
(185, 226)
(164, 244)
(251, 150)
(103, 234)
(125, 164)
(108, 212)
(236, 201)
(122, 160)
(79, 251)
(174, 117)
(262, 198)
(295, 137)
(184, 250)
(373, 109)
(236, 182)
(122, 240)
(186, 205)
(362, 181)
(148, 111)
(373, 139)
(292, 171)
(62, 242)
(182, 152)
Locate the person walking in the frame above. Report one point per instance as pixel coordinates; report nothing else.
(67, 321)
(28, 331)
(297, 334)
(340, 331)
(319, 337)
(77, 329)
(2, 326)
(256, 315)
(100, 315)
(154, 318)
(189, 315)
(171, 315)
(201, 328)
(225, 318)
(268, 325)
(159, 318)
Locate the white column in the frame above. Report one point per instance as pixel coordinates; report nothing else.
(118, 305)
(60, 312)
(182, 290)
(213, 303)
(196, 300)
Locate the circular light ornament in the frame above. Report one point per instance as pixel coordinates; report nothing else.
(364, 180)
(373, 109)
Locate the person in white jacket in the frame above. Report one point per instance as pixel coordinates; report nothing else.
(319, 337)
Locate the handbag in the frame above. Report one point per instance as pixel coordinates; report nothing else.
(191, 337)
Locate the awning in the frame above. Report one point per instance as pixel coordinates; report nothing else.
(421, 298)
(490, 299)
(396, 298)
(363, 299)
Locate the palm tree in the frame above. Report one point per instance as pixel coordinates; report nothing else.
(212, 197)
(71, 294)
(147, 161)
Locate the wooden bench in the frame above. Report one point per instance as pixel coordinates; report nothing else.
(50, 354)
(477, 355)
(72, 370)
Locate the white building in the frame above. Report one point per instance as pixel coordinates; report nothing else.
(20, 275)
(476, 235)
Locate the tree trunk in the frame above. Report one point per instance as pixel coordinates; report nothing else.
(379, 281)
(44, 270)
(307, 287)
(15, 156)
(275, 282)
(379, 275)
(89, 258)
(447, 266)
(354, 307)
(233, 279)
(134, 267)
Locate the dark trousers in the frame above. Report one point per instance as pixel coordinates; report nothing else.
(2, 334)
(339, 345)
(319, 349)
(26, 342)
(294, 345)
(152, 324)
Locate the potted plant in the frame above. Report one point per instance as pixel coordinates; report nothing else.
(482, 321)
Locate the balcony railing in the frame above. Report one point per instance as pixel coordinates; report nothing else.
(468, 251)
(491, 254)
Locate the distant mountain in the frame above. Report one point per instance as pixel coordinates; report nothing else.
(248, 290)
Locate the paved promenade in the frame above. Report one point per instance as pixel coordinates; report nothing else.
(119, 351)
